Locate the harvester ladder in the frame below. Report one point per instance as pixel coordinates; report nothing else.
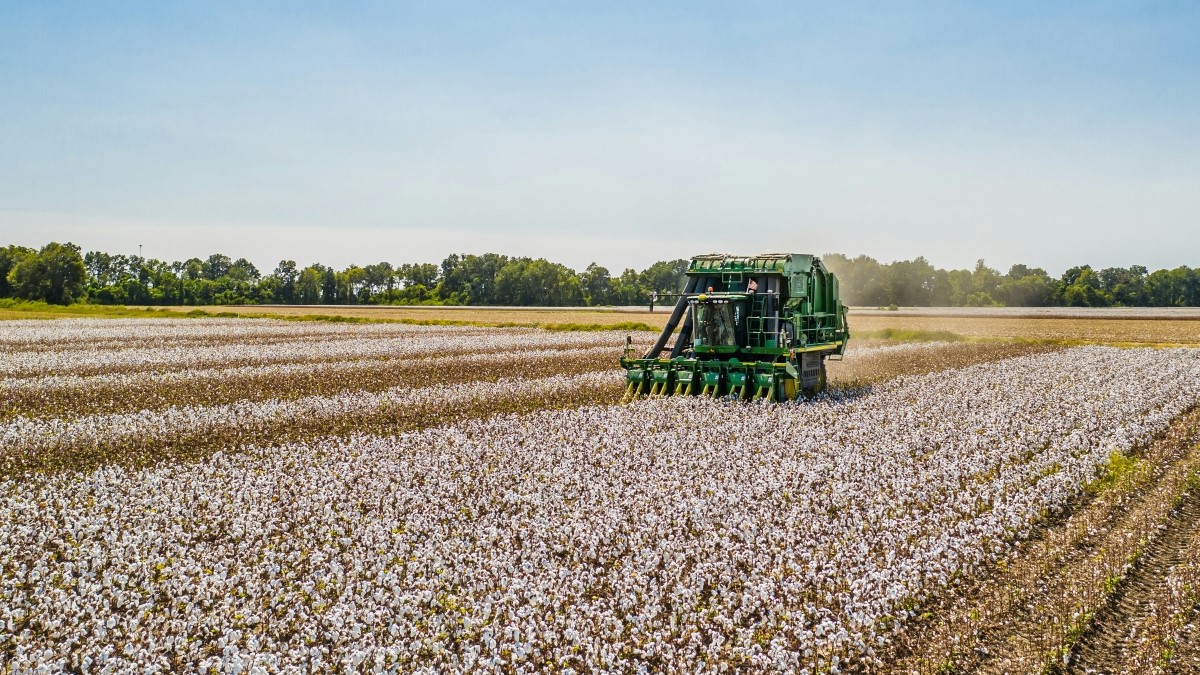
(756, 323)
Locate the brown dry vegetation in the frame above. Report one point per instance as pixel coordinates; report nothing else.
(1074, 330)
(529, 317)
(1070, 329)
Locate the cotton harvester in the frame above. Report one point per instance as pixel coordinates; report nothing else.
(755, 327)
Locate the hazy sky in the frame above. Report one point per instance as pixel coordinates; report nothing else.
(623, 133)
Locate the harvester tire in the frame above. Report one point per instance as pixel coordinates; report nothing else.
(819, 387)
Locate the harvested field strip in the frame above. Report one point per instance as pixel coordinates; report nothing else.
(1076, 330)
(1132, 633)
(149, 438)
(494, 316)
(67, 396)
(1027, 613)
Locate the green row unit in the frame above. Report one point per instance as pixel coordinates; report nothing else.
(746, 326)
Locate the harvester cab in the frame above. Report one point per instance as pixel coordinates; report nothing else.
(745, 327)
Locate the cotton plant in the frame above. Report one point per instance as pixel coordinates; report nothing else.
(218, 375)
(138, 354)
(23, 334)
(670, 534)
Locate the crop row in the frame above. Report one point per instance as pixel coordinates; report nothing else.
(73, 395)
(80, 360)
(671, 534)
(68, 396)
(1167, 637)
(865, 365)
(149, 437)
(1041, 596)
(39, 335)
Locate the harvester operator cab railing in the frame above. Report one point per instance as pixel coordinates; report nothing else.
(759, 326)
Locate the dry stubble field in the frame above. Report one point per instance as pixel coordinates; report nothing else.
(248, 495)
(1127, 326)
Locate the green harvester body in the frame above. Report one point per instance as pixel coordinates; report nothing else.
(746, 327)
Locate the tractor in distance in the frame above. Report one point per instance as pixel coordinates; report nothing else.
(752, 327)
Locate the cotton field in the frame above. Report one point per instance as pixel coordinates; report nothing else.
(351, 511)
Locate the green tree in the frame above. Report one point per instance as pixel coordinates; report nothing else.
(379, 279)
(627, 289)
(193, 268)
(471, 279)
(525, 282)
(423, 274)
(216, 266)
(268, 290)
(960, 286)
(1124, 287)
(1081, 288)
(595, 283)
(985, 285)
(350, 283)
(242, 270)
(55, 274)
(1026, 287)
(308, 285)
(1179, 287)
(287, 274)
(10, 256)
(862, 280)
(668, 276)
(329, 287)
(913, 283)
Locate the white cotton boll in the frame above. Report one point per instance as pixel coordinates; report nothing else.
(585, 532)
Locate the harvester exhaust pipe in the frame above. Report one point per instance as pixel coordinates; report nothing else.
(673, 321)
(685, 334)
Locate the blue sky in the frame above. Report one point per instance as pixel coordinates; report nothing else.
(1052, 134)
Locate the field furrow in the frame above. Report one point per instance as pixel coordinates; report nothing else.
(68, 396)
(147, 438)
(1120, 637)
(1026, 614)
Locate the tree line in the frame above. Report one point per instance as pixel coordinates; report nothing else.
(63, 274)
(917, 283)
